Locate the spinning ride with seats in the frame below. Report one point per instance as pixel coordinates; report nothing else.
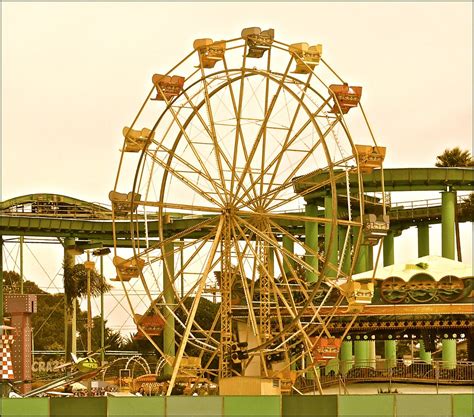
(211, 165)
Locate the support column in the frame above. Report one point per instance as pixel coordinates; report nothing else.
(448, 208)
(330, 246)
(361, 264)
(70, 345)
(345, 355)
(389, 249)
(311, 239)
(423, 239)
(449, 353)
(22, 275)
(289, 245)
(424, 355)
(370, 258)
(102, 316)
(390, 353)
(372, 355)
(169, 347)
(361, 353)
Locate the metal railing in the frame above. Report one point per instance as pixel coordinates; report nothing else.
(387, 370)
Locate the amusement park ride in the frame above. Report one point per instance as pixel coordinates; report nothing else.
(240, 181)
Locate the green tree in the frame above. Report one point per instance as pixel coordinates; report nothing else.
(75, 283)
(455, 157)
(75, 287)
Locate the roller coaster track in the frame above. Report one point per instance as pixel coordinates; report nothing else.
(53, 215)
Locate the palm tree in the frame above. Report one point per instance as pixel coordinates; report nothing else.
(455, 157)
(75, 287)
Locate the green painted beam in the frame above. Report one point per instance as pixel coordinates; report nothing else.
(168, 294)
(447, 224)
(389, 249)
(423, 239)
(398, 179)
(311, 239)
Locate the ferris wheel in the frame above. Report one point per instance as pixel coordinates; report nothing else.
(243, 185)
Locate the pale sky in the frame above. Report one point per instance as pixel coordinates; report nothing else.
(73, 74)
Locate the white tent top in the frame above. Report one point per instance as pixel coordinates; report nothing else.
(436, 266)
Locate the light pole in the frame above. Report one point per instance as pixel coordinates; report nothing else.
(89, 265)
(101, 252)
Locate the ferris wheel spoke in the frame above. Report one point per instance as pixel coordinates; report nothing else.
(290, 178)
(217, 149)
(301, 194)
(263, 236)
(192, 313)
(248, 297)
(308, 250)
(314, 219)
(285, 148)
(179, 174)
(286, 143)
(238, 128)
(264, 136)
(293, 313)
(189, 141)
(178, 248)
(262, 129)
(281, 260)
(179, 206)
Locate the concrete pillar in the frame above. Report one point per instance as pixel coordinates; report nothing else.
(346, 261)
(361, 264)
(448, 207)
(330, 246)
(372, 355)
(345, 355)
(289, 245)
(389, 249)
(424, 355)
(390, 353)
(449, 353)
(311, 240)
(370, 258)
(361, 353)
(169, 347)
(423, 239)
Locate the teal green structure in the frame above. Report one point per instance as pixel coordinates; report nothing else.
(386, 405)
(311, 240)
(449, 353)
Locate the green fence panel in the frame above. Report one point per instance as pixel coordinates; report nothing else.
(78, 407)
(193, 406)
(366, 405)
(463, 405)
(309, 405)
(423, 405)
(16, 407)
(261, 406)
(136, 406)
